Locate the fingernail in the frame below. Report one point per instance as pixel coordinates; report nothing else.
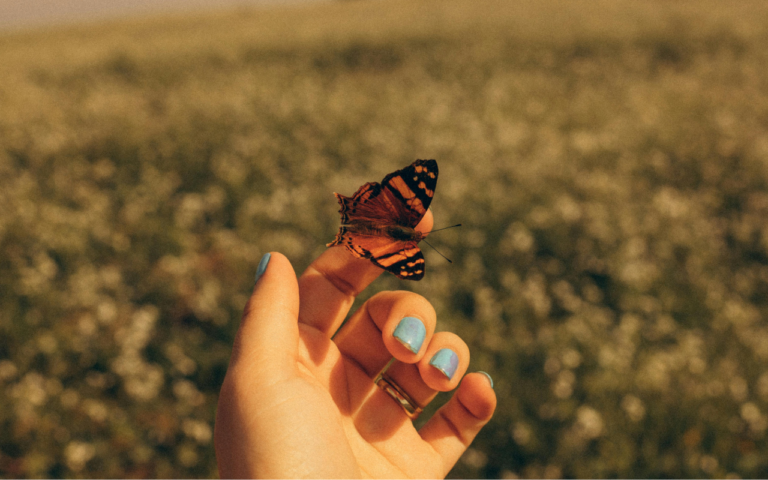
(410, 332)
(487, 375)
(262, 265)
(446, 361)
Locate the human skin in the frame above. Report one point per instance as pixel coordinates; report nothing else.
(298, 400)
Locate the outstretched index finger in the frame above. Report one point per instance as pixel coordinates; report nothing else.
(328, 287)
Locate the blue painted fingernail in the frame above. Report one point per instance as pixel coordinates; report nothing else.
(410, 332)
(446, 361)
(487, 375)
(262, 265)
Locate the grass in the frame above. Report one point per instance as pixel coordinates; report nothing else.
(607, 160)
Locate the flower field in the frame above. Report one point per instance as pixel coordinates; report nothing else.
(608, 160)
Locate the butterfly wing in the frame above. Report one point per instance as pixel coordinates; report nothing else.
(403, 259)
(366, 205)
(402, 198)
(410, 190)
(407, 264)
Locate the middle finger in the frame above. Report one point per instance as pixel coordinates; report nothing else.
(390, 324)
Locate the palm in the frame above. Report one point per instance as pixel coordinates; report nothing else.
(383, 441)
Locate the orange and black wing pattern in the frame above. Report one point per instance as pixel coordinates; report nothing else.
(403, 259)
(401, 199)
(411, 190)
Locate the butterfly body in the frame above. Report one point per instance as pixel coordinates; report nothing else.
(379, 221)
(395, 232)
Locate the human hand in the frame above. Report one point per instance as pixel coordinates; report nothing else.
(298, 403)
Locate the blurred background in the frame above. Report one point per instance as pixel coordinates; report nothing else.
(608, 159)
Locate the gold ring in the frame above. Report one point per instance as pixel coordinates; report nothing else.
(385, 382)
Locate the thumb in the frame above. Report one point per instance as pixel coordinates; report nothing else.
(267, 342)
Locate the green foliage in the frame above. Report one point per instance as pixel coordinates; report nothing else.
(607, 160)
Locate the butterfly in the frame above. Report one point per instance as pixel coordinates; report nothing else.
(378, 222)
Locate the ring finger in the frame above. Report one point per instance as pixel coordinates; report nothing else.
(439, 370)
(400, 325)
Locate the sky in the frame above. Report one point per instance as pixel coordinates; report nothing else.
(22, 14)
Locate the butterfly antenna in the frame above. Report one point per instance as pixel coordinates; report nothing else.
(433, 247)
(438, 251)
(444, 228)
